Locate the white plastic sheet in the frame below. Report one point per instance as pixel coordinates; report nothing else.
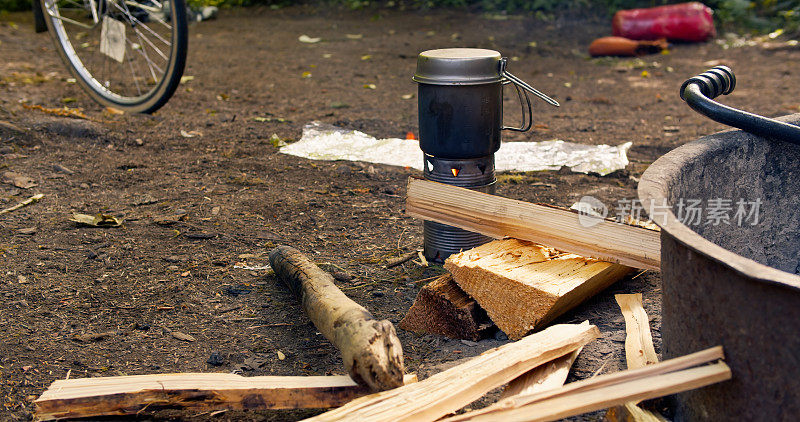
(326, 142)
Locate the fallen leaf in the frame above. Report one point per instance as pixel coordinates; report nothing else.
(67, 100)
(85, 338)
(281, 356)
(21, 279)
(191, 133)
(354, 36)
(370, 86)
(407, 96)
(366, 57)
(19, 180)
(338, 104)
(276, 141)
(215, 211)
(182, 336)
(61, 169)
(98, 220)
(114, 111)
(63, 112)
(308, 40)
(170, 219)
(186, 274)
(27, 231)
(269, 119)
(186, 78)
(305, 75)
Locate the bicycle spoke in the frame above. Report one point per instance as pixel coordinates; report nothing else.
(128, 54)
(140, 23)
(147, 60)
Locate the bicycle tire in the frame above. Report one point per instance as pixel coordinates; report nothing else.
(164, 82)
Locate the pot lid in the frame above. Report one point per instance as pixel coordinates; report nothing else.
(458, 66)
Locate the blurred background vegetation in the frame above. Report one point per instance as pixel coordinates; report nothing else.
(758, 16)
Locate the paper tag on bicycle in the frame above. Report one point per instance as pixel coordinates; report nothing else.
(112, 39)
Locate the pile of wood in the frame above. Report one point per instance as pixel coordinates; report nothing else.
(521, 286)
(535, 366)
(518, 285)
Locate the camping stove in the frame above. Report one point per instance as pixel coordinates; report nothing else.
(460, 121)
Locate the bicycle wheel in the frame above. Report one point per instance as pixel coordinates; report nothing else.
(128, 54)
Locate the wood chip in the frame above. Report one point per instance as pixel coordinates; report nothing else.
(31, 200)
(183, 336)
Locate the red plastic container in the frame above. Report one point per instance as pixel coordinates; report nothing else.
(677, 22)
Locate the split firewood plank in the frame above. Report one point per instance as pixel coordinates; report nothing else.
(450, 390)
(523, 286)
(442, 308)
(371, 351)
(668, 377)
(601, 398)
(499, 217)
(639, 352)
(545, 377)
(131, 395)
(639, 349)
(630, 412)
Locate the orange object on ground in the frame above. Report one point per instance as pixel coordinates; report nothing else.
(410, 136)
(619, 46)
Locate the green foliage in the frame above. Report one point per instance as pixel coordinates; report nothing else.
(759, 16)
(14, 5)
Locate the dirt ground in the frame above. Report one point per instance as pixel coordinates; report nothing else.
(194, 208)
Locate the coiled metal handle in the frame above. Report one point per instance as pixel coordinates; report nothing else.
(699, 90)
(719, 80)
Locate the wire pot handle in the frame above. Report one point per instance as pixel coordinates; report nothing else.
(523, 87)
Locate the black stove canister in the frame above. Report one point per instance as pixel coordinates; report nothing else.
(460, 120)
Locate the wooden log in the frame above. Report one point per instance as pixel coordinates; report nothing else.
(371, 351)
(450, 390)
(555, 227)
(442, 308)
(523, 286)
(545, 377)
(639, 352)
(132, 395)
(668, 377)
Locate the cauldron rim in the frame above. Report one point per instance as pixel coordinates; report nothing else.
(653, 186)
